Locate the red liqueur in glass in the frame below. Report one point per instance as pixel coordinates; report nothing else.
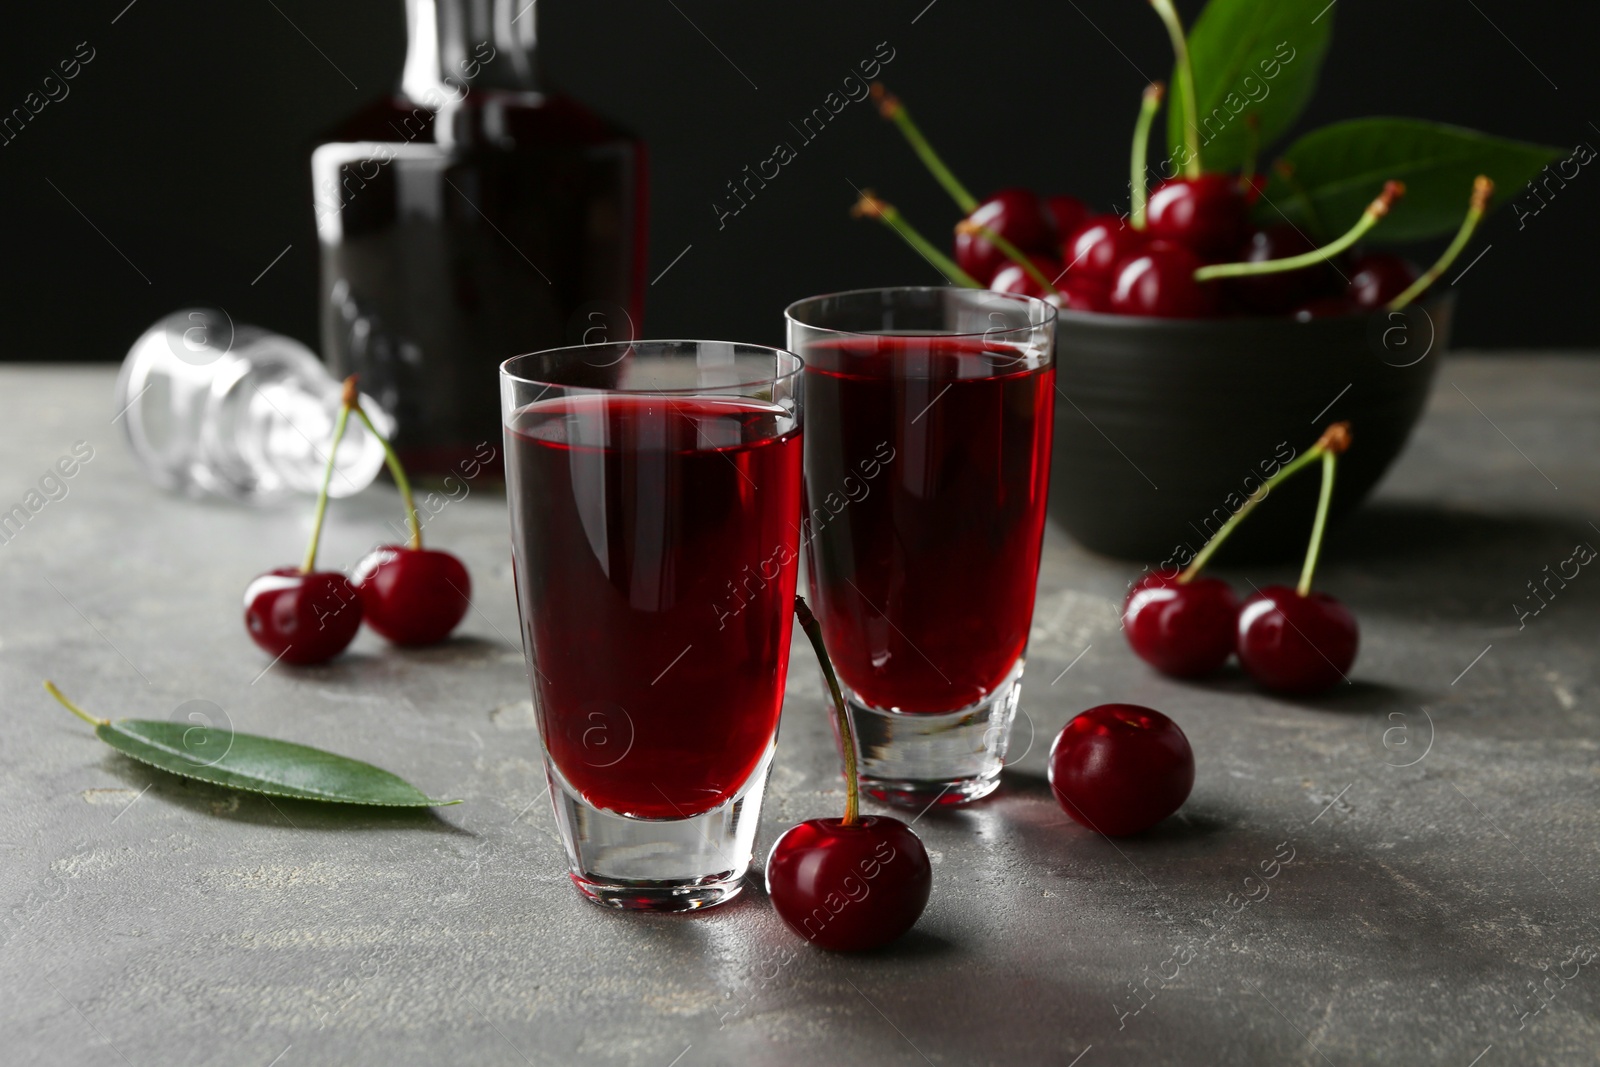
(925, 559)
(927, 469)
(656, 542)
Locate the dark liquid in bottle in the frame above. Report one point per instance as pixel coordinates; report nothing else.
(508, 222)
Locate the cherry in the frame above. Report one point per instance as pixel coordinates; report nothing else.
(412, 596)
(302, 617)
(1294, 643)
(300, 614)
(1072, 292)
(1255, 269)
(1295, 640)
(849, 888)
(1096, 247)
(1016, 214)
(1277, 294)
(1012, 278)
(1185, 629)
(1067, 212)
(847, 884)
(1208, 214)
(1158, 281)
(1121, 768)
(1378, 277)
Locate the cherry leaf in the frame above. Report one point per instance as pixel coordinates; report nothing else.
(1334, 172)
(254, 764)
(1256, 58)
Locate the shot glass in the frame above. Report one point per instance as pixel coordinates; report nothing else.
(655, 537)
(927, 467)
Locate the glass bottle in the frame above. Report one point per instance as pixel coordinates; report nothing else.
(211, 409)
(469, 217)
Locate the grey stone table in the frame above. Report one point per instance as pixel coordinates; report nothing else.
(1442, 812)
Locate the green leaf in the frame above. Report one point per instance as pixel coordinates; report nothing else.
(1338, 169)
(1250, 57)
(259, 764)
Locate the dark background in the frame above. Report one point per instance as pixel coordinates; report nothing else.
(186, 141)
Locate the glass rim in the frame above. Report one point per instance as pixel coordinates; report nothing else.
(506, 373)
(1047, 316)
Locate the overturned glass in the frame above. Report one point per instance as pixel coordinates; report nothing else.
(211, 409)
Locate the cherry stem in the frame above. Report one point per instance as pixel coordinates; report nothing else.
(847, 741)
(1482, 190)
(327, 476)
(50, 687)
(1374, 214)
(1330, 459)
(869, 206)
(890, 107)
(1012, 252)
(1139, 183)
(1334, 438)
(1185, 70)
(396, 471)
(1211, 546)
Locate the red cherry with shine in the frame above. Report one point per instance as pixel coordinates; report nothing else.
(1207, 214)
(1096, 247)
(1121, 768)
(1297, 644)
(1158, 282)
(1185, 630)
(1074, 292)
(1020, 217)
(849, 888)
(1011, 278)
(413, 596)
(302, 618)
(1378, 277)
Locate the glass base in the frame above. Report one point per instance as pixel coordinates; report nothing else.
(660, 864)
(660, 896)
(918, 760)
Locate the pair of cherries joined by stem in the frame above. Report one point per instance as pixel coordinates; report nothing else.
(1291, 640)
(408, 594)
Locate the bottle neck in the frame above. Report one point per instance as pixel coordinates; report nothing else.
(454, 45)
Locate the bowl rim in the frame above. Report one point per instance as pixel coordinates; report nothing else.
(1066, 318)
